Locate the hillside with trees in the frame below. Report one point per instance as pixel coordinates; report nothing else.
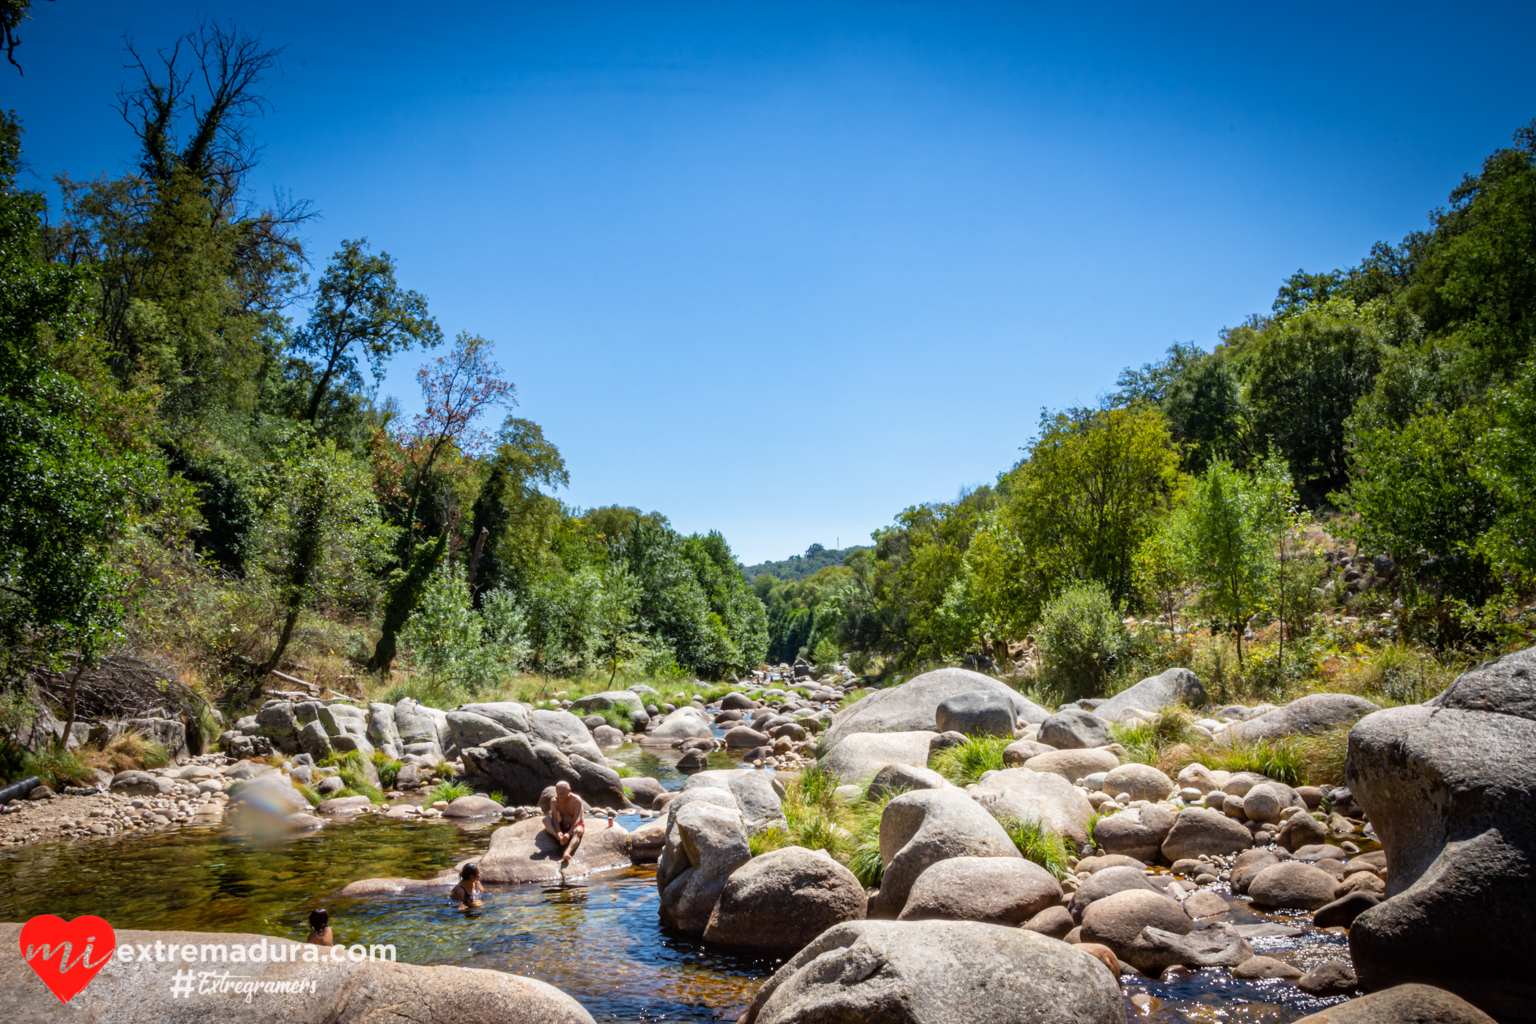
(196, 468)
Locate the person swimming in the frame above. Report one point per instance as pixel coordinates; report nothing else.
(320, 929)
(469, 890)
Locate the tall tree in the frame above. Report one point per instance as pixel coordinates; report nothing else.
(457, 389)
(360, 310)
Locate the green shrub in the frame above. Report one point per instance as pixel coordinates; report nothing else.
(58, 768)
(1038, 843)
(626, 772)
(449, 791)
(1081, 638)
(965, 762)
(387, 767)
(353, 771)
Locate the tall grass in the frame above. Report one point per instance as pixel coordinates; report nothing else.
(57, 768)
(353, 770)
(1145, 741)
(965, 763)
(128, 751)
(449, 791)
(388, 769)
(1038, 843)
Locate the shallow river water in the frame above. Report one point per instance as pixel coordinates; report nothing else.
(600, 941)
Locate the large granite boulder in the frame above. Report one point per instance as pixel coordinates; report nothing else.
(685, 723)
(1117, 921)
(1074, 729)
(1074, 764)
(913, 706)
(1199, 830)
(313, 991)
(1136, 832)
(1022, 793)
(861, 755)
(1304, 716)
(976, 713)
(523, 853)
(993, 890)
(1451, 791)
(706, 841)
(903, 778)
(631, 703)
(1176, 685)
(778, 902)
(938, 972)
(423, 731)
(382, 731)
(919, 829)
(1402, 1004)
(555, 747)
(757, 794)
(1140, 781)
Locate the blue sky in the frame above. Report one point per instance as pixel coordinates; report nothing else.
(781, 270)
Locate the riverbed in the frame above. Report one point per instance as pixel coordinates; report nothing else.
(600, 941)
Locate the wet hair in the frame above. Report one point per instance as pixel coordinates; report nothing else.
(469, 871)
(319, 919)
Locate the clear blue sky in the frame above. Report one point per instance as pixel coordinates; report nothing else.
(781, 270)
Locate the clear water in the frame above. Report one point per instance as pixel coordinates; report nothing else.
(601, 942)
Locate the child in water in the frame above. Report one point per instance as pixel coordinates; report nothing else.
(320, 929)
(466, 894)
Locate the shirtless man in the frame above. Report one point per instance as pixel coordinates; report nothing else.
(564, 821)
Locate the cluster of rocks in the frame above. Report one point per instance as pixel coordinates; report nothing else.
(191, 793)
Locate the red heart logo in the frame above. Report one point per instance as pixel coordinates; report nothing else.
(63, 953)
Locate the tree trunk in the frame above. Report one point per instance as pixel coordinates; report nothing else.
(402, 602)
(474, 560)
(74, 689)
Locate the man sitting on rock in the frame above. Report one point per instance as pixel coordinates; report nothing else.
(564, 821)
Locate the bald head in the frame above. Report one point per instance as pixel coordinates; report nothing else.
(562, 787)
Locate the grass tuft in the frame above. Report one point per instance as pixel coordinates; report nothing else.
(449, 791)
(1038, 843)
(966, 762)
(388, 769)
(58, 768)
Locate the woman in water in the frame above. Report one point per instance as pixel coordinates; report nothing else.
(467, 893)
(320, 929)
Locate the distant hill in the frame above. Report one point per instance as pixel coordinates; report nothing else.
(797, 567)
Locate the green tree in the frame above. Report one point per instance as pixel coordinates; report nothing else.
(360, 310)
(1229, 524)
(519, 520)
(1503, 460)
(457, 389)
(67, 485)
(1088, 495)
(319, 535)
(1306, 373)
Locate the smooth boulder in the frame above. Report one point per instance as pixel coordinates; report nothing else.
(1451, 791)
(1304, 716)
(919, 829)
(1199, 830)
(1074, 729)
(976, 713)
(1043, 796)
(1174, 686)
(1135, 832)
(523, 853)
(778, 902)
(1403, 1004)
(938, 972)
(993, 890)
(1074, 764)
(913, 706)
(860, 756)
